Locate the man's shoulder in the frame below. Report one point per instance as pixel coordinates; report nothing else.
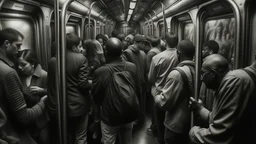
(6, 69)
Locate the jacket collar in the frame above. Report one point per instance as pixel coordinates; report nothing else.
(6, 60)
(37, 71)
(187, 62)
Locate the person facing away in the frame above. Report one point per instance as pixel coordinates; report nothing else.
(232, 119)
(12, 100)
(112, 125)
(207, 95)
(161, 66)
(77, 90)
(174, 96)
(34, 81)
(135, 54)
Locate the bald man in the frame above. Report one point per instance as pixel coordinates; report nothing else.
(232, 120)
(174, 96)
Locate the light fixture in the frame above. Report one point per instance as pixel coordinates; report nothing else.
(130, 11)
(128, 17)
(132, 5)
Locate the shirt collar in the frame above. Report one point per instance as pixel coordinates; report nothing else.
(37, 71)
(187, 62)
(6, 60)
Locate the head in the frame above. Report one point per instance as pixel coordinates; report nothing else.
(210, 47)
(27, 62)
(185, 50)
(214, 68)
(10, 42)
(114, 48)
(90, 49)
(128, 41)
(155, 42)
(74, 43)
(100, 39)
(171, 40)
(114, 33)
(121, 37)
(139, 41)
(99, 51)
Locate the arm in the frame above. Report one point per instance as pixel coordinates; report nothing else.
(16, 101)
(224, 115)
(151, 73)
(83, 76)
(171, 92)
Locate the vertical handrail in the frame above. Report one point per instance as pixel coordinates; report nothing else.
(152, 23)
(58, 78)
(1, 3)
(147, 24)
(89, 21)
(165, 24)
(63, 68)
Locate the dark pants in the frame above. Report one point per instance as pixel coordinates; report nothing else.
(171, 137)
(159, 117)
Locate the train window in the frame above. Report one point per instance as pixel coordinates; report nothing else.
(253, 33)
(70, 28)
(188, 32)
(24, 26)
(222, 31)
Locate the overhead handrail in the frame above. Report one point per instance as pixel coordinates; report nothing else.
(89, 21)
(58, 73)
(62, 63)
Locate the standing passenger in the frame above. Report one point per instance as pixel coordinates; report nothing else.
(232, 120)
(34, 80)
(77, 90)
(113, 123)
(135, 54)
(12, 100)
(161, 66)
(175, 94)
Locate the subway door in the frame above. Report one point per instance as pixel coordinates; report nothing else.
(218, 23)
(27, 19)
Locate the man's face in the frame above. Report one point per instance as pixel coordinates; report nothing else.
(13, 48)
(206, 52)
(100, 41)
(209, 78)
(141, 45)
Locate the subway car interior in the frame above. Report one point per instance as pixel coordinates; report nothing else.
(45, 25)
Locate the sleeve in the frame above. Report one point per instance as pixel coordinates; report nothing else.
(17, 102)
(97, 89)
(171, 91)
(124, 55)
(149, 58)
(83, 76)
(224, 116)
(151, 73)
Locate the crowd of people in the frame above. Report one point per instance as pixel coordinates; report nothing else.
(109, 82)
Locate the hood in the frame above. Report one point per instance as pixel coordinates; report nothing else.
(134, 48)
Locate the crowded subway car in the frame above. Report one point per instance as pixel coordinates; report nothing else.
(127, 72)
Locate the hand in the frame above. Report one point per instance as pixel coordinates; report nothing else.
(44, 98)
(193, 135)
(36, 90)
(195, 105)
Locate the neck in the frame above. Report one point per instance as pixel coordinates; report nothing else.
(186, 58)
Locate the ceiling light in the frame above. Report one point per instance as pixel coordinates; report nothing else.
(130, 11)
(132, 5)
(128, 17)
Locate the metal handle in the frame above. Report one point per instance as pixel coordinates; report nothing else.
(89, 21)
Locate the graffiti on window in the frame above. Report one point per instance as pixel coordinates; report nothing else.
(222, 31)
(189, 31)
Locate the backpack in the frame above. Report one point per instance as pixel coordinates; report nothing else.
(122, 98)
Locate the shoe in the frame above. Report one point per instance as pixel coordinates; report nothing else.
(151, 132)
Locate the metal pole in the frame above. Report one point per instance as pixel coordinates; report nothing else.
(58, 78)
(165, 24)
(89, 29)
(147, 24)
(63, 67)
(1, 3)
(152, 23)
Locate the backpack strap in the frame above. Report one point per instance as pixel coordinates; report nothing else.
(185, 79)
(251, 74)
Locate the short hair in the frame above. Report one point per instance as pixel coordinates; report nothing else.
(99, 36)
(121, 37)
(187, 48)
(29, 56)
(114, 33)
(9, 34)
(213, 45)
(155, 41)
(72, 40)
(171, 39)
(114, 47)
